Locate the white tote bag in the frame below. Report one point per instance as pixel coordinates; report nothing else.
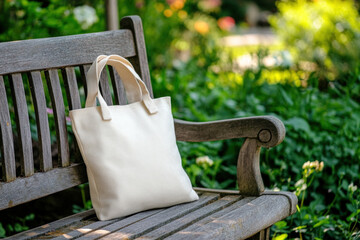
(132, 160)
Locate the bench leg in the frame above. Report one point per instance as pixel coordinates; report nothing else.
(262, 235)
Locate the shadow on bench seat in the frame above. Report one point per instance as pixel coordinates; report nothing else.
(32, 76)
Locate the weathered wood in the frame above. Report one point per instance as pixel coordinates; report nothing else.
(58, 52)
(38, 96)
(250, 127)
(182, 234)
(57, 101)
(104, 87)
(39, 231)
(120, 223)
(71, 88)
(23, 125)
(112, 16)
(7, 142)
(293, 201)
(219, 191)
(157, 220)
(41, 184)
(180, 223)
(83, 71)
(248, 169)
(140, 62)
(242, 222)
(85, 229)
(118, 87)
(262, 235)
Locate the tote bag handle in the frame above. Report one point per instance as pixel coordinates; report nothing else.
(135, 88)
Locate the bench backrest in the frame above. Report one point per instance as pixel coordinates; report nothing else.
(32, 76)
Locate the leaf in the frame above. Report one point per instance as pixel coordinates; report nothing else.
(280, 224)
(281, 237)
(322, 222)
(298, 124)
(2, 231)
(286, 97)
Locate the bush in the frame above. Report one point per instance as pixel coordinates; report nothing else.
(325, 32)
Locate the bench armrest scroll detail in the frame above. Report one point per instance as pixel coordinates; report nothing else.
(268, 130)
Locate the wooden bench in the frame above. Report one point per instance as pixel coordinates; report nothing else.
(44, 66)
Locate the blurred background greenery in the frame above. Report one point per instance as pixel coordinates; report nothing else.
(301, 64)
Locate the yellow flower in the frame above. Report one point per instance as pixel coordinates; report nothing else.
(159, 7)
(182, 14)
(201, 27)
(168, 13)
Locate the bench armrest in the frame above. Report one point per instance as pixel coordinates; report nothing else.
(263, 131)
(268, 130)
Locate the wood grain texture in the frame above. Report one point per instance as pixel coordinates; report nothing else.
(250, 127)
(57, 102)
(7, 142)
(83, 71)
(242, 222)
(42, 122)
(119, 89)
(293, 200)
(112, 16)
(180, 223)
(248, 169)
(41, 184)
(83, 230)
(71, 88)
(35, 233)
(140, 62)
(23, 125)
(104, 87)
(58, 52)
(183, 227)
(157, 220)
(262, 235)
(182, 234)
(120, 223)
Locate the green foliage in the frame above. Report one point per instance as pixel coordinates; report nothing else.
(25, 19)
(323, 126)
(15, 225)
(324, 32)
(85, 201)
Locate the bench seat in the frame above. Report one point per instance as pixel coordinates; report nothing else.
(218, 214)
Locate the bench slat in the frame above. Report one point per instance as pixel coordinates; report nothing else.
(73, 98)
(71, 88)
(56, 180)
(162, 218)
(183, 233)
(53, 226)
(104, 87)
(190, 218)
(7, 142)
(57, 101)
(226, 226)
(38, 96)
(23, 125)
(119, 223)
(58, 52)
(119, 89)
(83, 71)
